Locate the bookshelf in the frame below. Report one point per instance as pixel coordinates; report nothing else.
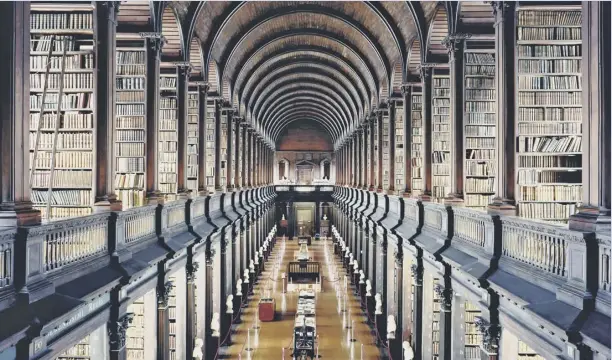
(435, 326)
(376, 150)
(168, 135)
(386, 150)
(416, 119)
(472, 333)
(193, 118)
(62, 176)
(130, 122)
(210, 145)
(440, 162)
(135, 333)
(479, 119)
(399, 148)
(549, 111)
(80, 351)
(172, 319)
(223, 147)
(526, 353)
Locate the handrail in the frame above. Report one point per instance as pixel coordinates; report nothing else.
(136, 224)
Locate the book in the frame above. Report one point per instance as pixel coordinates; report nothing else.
(441, 132)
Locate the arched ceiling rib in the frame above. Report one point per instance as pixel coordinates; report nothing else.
(329, 62)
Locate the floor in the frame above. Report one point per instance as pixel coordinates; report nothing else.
(273, 340)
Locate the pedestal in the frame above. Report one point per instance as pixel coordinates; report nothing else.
(212, 347)
(245, 294)
(362, 292)
(370, 309)
(380, 324)
(227, 328)
(237, 305)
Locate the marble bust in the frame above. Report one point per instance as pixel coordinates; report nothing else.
(197, 349)
(378, 299)
(239, 287)
(214, 324)
(229, 303)
(246, 276)
(368, 288)
(408, 352)
(391, 327)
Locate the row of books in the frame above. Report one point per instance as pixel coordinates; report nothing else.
(480, 154)
(76, 140)
(550, 82)
(167, 102)
(549, 33)
(479, 70)
(136, 57)
(62, 197)
(167, 82)
(80, 101)
(131, 198)
(138, 71)
(473, 339)
(129, 181)
(560, 128)
(547, 211)
(57, 43)
(550, 66)
(167, 177)
(473, 168)
(60, 212)
(130, 83)
(61, 21)
(538, 17)
(479, 58)
(478, 200)
(130, 135)
(479, 131)
(550, 114)
(440, 157)
(63, 160)
(62, 179)
(168, 147)
(168, 136)
(480, 143)
(130, 123)
(549, 51)
(558, 98)
(135, 342)
(479, 106)
(480, 94)
(549, 161)
(472, 353)
(478, 82)
(167, 167)
(560, 193)
(136, 164)
(441, 180)
(168, 188)
(167, 124)
(73, 62)
(550, 144)
(541, 176)
(479, 185)
(71, 81)
(130, 109)
(129, 149)
(130, 97)
(479, 118)
(68, 120)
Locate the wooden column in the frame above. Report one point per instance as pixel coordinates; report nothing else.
(106, 200)
(358, 158)
(155, 42)
(15, 204)
(490, 334)
(183, 72)
(427, 133)
(208, 302)
(504, 202)
(229, 159)
(219, 187)
(379, 146)
(238, 153)
(372, 121)
(191, 331)
(455, 45)
(163, 328)
(407, 95)
(399, 316)
(392, 110)
(364, 153)
(202, 134)
(117, 336)
(594, 215)
(417, 305)
(248, 155)
(445, 324)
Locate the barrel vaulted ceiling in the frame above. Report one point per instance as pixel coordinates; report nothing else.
(284, 61)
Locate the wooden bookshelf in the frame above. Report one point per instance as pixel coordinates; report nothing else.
(549, 111)
(80, 351)
(435, 325)
(479, 119)
(441, 132)
(168, 135)
(399, 147)
(473, 339)
(416, 119)
(210, 145)
(135, 333)
(172, 319)
(130, 122)
(386, 150)
(193, 119)
(62, 177)
(527, 353)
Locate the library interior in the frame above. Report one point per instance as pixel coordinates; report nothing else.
(397, 180)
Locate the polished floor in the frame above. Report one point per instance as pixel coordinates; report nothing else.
(273, 340)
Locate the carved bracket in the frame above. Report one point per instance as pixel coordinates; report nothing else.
(491, 334)
(445, 294)
(117, 331)
(163, 294)
(192, 270)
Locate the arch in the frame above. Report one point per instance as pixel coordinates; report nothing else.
(397, 79)
(170, 29)
(213, 77)
(226, 89)
(135, 16)
(414, 57)
(438, 30)
(475, 13)
(195, 57)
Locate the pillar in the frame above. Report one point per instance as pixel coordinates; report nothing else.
(202, 135)
(379, 152)
(391, 161)
(358, 158)
(244, 155)
(106, 200)
(250, 153)
(163, 295)
(372, 121)
(219, 187)
(503, 201)
(490, 334)
(208, 302)
(238, 153)
(417, 305)
(183, 72)
(445, 324)
(229, 158)
(154, 43)
(427, 131)
(364, 154)
(407, 95)
(117, 336)
(191, 331)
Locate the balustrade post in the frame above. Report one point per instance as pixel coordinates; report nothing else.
(15, 203)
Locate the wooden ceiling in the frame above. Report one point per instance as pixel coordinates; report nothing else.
(329, 61)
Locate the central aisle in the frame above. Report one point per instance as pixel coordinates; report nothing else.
(334, 339)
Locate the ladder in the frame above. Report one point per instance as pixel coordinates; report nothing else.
(57, 119)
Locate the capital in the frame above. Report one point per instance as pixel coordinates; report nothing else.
(155, 41)
(163, 294)
(117, 331)
(184, 68)
(500, 8)
(112, 8)
(405, 89)
(424, 72)
(192, 269)
(445, 294)
(491, 334)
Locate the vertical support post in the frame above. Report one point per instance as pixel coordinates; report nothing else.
(117, 335)
(379, 145)
(445, 324)
(219, 187)
(208, 310)
(229, 157)
(238, 153)
(372, 124)
(407, 95)
(417, 305)
(155, 42)
(364, 155)
(183, 72)
(427, 133)
(191, 331)
(202, 139)
(163, 329)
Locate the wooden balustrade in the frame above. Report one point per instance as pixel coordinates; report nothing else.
(538, 245)
(470, 227)
(71, 241)
(7, 246)
(176, 214)
(139, 223)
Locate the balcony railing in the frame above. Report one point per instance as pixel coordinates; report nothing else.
(304, 188)
(136, 224)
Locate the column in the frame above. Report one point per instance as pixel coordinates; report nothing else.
(364, 155)
(359, 156)
(116, 336)
(454, 45)
(202, 150)
(490, 334)
(249, 158)
(163, 295)
(208, 310)
(244, 155)
(239, 153)
(106, 200)
(219, 187)
(392, 110)
(445, 294)
(407, 94)
(229, 159)
(426, 78)
(503, 202)
(191, 331)
(255, 160)
(15, 204)
(317, 217)
(183, 72)
(340, 166)
(372, 121)
(155, 42)
(594, 215)
(417, 305)
(379, 146)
